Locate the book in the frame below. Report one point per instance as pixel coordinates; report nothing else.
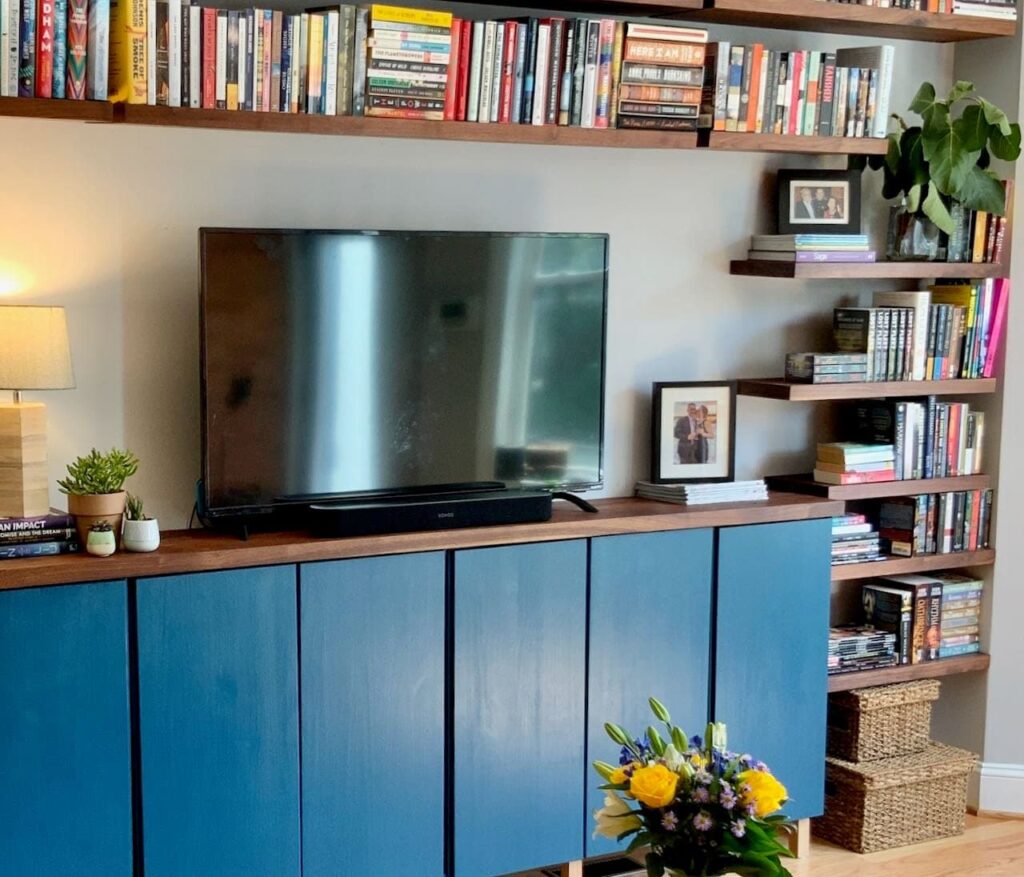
(53, 520)
(840, 478)
(855, 452)
(892, 610)
(37, 549)
(812, 255)
(926, 593)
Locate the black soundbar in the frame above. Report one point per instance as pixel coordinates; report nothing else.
(440, 511)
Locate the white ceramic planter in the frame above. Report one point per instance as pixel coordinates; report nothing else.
(141, 535)
(100, 543)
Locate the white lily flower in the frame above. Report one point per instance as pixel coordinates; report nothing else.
(614, 818)
(673, 758)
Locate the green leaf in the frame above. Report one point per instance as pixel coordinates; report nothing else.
(972, 128)
(912, 169)
(949, 162)
(959, 91)
(983, 191)
(995, 116)
(914, 199)
(658, 708)
(857, 162)
(892, 155)
(936, 211)
(1005, 146)
(655, 868)
(936, 122)
(924, 100)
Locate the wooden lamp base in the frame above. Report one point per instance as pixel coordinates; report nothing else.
(24, 475)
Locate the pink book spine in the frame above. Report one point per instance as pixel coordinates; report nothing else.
(998, 325)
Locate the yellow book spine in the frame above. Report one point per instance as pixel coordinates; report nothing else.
(316, 58)
(980, 227)
(613, 106)
(128, 63)
(410, 16)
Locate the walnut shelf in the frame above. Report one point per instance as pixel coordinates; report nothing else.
(779, 388)
(878, 490)
(865, 270)
(898, 566)
(42, 108)
(729, 141)
(909, 672)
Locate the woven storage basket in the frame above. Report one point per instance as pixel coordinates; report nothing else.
(882, 722)
(897, 801)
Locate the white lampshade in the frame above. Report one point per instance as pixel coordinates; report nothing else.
(34, 349)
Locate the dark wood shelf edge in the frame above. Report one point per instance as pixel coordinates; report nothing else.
(878, 490)
(909, 672)
(66, 110)
(730, 141)
(897, 566)
(883, 270)
(781, 389)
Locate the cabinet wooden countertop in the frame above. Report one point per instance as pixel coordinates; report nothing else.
(187, 551)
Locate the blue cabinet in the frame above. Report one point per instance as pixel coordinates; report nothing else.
(650, 635)
(520, 653)
(373, 659)
(219, 723)
(771, 655)
(65, 756)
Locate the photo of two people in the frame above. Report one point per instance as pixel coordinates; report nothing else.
(694, 431)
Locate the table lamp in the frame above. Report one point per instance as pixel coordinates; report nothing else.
(34, 355)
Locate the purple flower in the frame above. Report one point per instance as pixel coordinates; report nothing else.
(670, 822)
(703, 777)
(751, 809)
(761, 766)
(727, 798)
(703, 821)
(696, 742)
(700, 795)
(739, 827)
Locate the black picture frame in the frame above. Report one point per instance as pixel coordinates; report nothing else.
(841, 193)
(671, 461)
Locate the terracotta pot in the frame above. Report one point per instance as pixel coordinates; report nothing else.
(92, 508)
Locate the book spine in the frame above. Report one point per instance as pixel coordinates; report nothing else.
(174, 53)
(486, 71)
(554, 79)
(277, 22)
(761, 75)
(602, 114)
(330, 72)
(27, 54)
(59, 71)
(475, 64)
(618, 43)
(540, 83)
(496, 70)
(811, 101)
(452, 77)
(589, 108)
(508, 72)
(735, 88)
(359, 58)
(746, 79)
(579, 69)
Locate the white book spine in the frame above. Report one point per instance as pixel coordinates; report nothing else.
(195, 58)
(97, 60)
(243, 49)
(589, 82)
(881, 121)
(303, 66)
(540, 79)
(496, 70)
(762, 87)
(150, 53)
(174, 53)
(222, 60)
(486, 67)
(296, 26)
(5, 51)
(475, 64)
(331, 73)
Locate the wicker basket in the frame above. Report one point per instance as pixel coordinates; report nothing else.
(898, 801)
(882, 722)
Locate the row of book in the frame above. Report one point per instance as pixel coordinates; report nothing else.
(1006, 9)
(813, 247)
(944, 332)
(39, 536)
(704, 494)
(937, 523)
(757, 90)
(978, 236)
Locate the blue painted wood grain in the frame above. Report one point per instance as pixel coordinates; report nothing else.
(650, 635)
(65, 756)
(771, 684)
(373, 653)
(520, 617)
(219, 717)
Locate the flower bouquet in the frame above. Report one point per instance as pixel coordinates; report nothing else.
(701, 809)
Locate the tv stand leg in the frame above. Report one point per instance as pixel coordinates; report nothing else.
(577, 501)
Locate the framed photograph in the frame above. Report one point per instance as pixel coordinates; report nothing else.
(693, 434)
(822, 201)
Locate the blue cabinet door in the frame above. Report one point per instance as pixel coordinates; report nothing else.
(520, 641)
(219, 723)
(65, 756)
(650, 635)
(373, 658)
(771, 682)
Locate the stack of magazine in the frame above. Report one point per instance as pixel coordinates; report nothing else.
(704, 494)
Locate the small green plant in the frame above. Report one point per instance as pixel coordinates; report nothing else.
(101, 527)
(99, 473)
(133, 508)
(946, 158)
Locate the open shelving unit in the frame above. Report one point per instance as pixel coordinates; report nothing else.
(780, 388)
(879, 489)
(898, 566)
(865, 270)
(909, 672)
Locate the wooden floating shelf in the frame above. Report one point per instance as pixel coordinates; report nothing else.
(898, 566)
(865, 270)
(909, 672)
(779, 388)
(43, 108)
(814, 15)
(879, 490)
(729, 141)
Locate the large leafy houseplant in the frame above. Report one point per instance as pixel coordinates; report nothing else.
(947, 157)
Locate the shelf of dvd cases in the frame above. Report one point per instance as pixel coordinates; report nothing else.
(909, 672)
(880, 489)
(851, 18)
(779, 388)
(865, 270)
(898, 566)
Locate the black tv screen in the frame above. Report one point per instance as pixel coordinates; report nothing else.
(344, 363)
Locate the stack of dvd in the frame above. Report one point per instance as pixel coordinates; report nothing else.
(855, 540)
(826, 368)
(854, 647)
(37, 536)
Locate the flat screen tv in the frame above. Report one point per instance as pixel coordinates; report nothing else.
(345, 364)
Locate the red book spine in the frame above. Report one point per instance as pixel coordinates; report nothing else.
(465, 51)
(209, 59)
(794, 94)
(44, 48)
(953, 440)
(451, 85)
(78, 39)
(508, 72)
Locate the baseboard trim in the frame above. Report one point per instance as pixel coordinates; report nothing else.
(998, 790)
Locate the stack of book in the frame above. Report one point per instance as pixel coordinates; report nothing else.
(826, 368)
(704, 494)
(931, 439)
(961, 615)
(947, 331)
(662, 69)
(937, 523)
(810, 248)
(855, 647)
(855, 463)
(1004, 9)
(37, 536)
(910, 608)
(757, 90)
(855, 540)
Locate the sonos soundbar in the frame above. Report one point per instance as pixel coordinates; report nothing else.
(439, 511)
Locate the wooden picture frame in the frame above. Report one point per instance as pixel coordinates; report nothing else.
(693, 432)
(816, 201)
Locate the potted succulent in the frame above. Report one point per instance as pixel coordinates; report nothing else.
(95, 489)
(101, 542)
(141, 532)
(942, 162)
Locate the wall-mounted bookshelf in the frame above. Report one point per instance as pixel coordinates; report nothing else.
(898, 566)
(780, 388)
(727, 141)
(865, 270)
(879, 490)
(75, 110)
(909, 672)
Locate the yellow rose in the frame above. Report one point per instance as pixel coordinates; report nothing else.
(766, 793)
(618, 776)
(654, 786)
